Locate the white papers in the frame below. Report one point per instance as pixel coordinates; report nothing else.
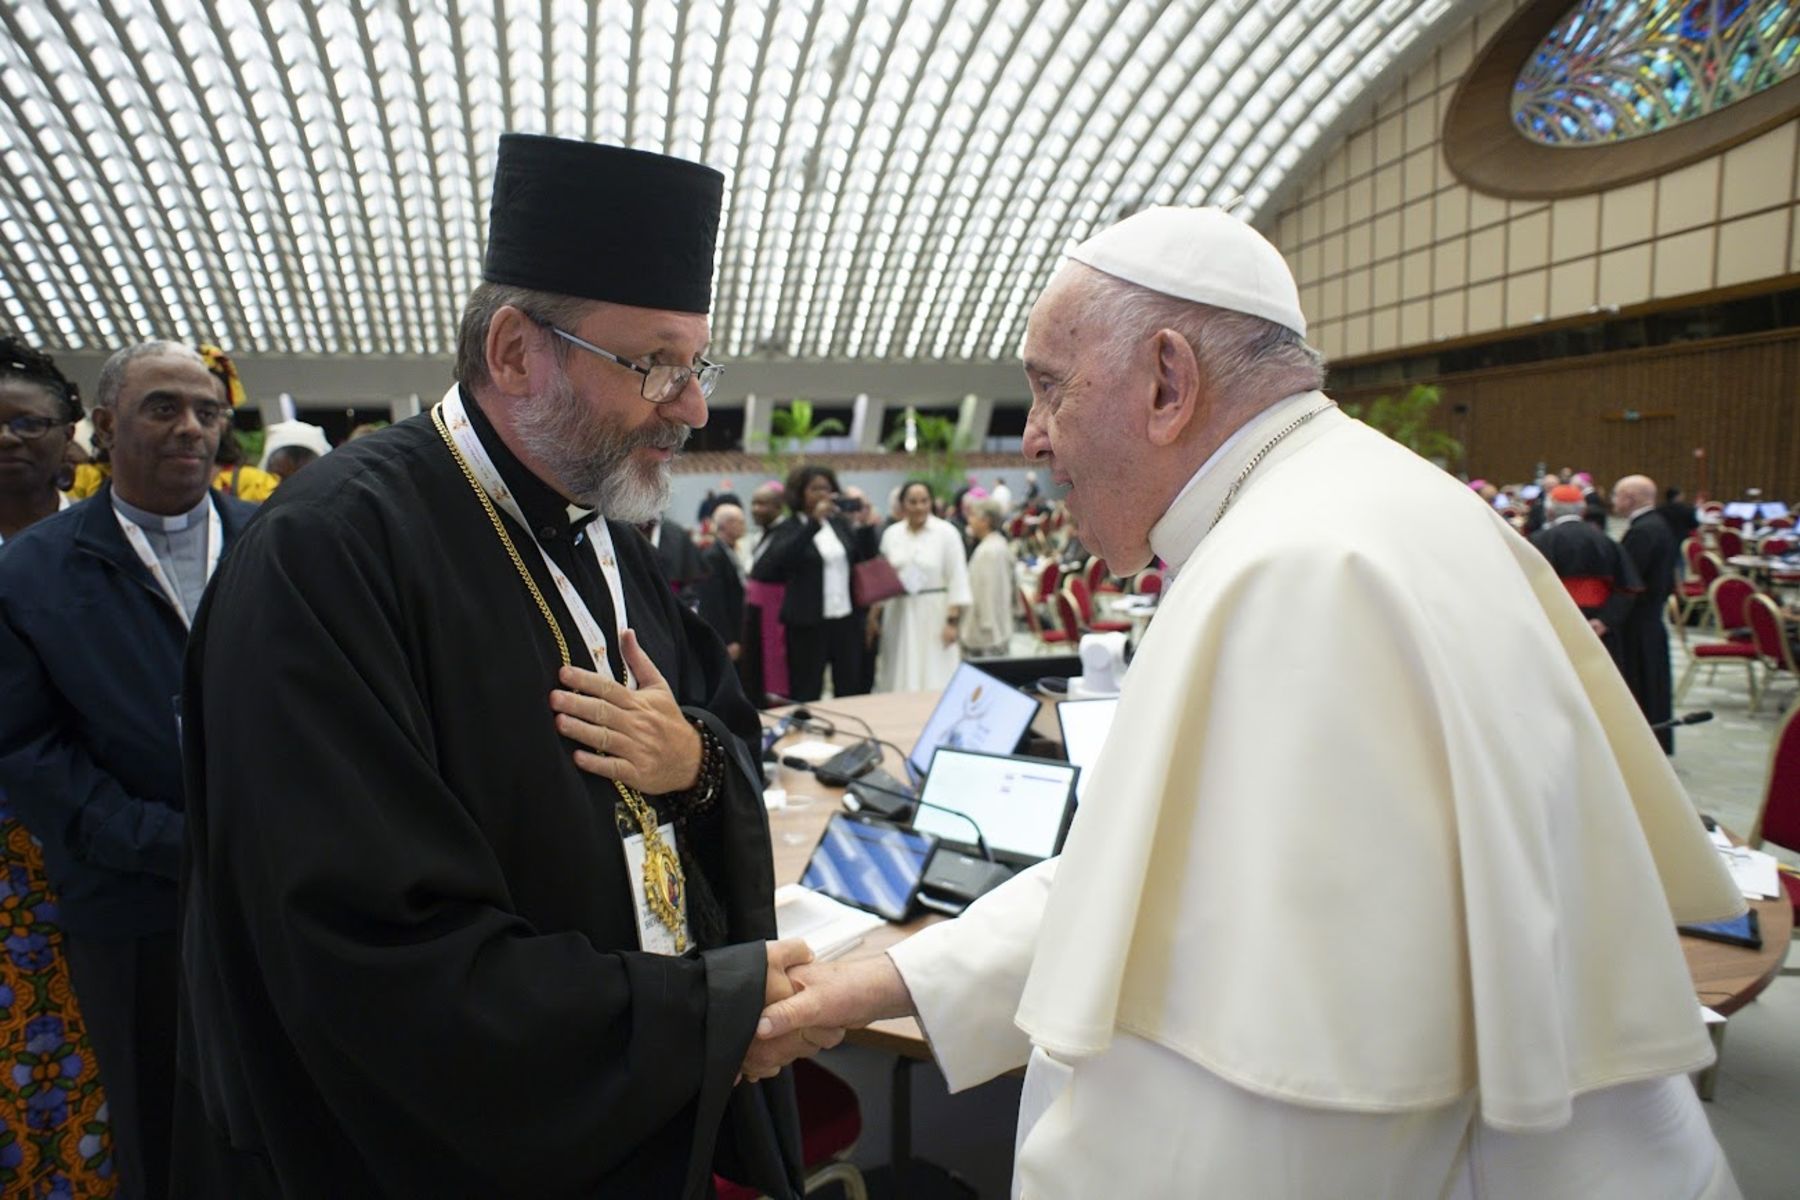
(1756, 874)
(811, 751)
(829, 927)
(1718, 838)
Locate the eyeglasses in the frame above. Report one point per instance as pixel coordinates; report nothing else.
(30, 429)
(662, 381)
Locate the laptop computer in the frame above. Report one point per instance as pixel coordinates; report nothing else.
(976, 712)
(1085, 724)
(1021, 807)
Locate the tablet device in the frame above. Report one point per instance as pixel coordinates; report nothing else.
(976, 712)
(1744, 930)
(1022, 806)
(1084, 727)
(869, 864)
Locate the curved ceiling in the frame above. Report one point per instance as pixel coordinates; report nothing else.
(903, 175)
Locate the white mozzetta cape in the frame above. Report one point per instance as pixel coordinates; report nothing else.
(1379, 823)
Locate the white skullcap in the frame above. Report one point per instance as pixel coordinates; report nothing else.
(283, 434)
(1201, 254)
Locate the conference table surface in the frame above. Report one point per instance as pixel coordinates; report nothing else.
(1725, 977)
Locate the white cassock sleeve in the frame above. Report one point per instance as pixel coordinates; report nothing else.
(966, 977)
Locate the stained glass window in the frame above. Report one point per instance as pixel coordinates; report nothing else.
(1617, 69)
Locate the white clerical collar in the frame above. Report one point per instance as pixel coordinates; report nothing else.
(1567, 517)
(579, 515)
(157, 522)
(1190, 516)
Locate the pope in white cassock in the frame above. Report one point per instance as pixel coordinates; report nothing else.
(1374, 890)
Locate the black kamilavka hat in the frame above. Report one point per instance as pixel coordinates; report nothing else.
(603, 223)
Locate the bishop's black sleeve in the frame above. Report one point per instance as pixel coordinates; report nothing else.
(1627, 585)
(57, 789)
(465, 1051)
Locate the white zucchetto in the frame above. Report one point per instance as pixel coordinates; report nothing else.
(1201, 254)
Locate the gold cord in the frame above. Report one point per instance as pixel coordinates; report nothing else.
(661, 864)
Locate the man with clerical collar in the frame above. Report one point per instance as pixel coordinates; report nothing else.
(1376, 901)
(1654, 552)
(95, 604)
(480, 891)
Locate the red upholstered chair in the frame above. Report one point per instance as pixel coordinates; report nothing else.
(1035, 623)
(1067, 619)
(1149, 583)
(1076, 588)
(830, 1123)
(1781, 522)
(1048, 580)
(1775, 545)
(1099, 579)
(1672, 612)
(1731, 543)
(1733, 523)
(1727, 597)
(1691, 589)
(1711, 508)
(1768, 634)
(1779, 820)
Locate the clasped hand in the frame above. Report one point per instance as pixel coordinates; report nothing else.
(810, 1007)
(767, 1056)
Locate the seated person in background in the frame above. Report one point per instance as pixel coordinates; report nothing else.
(1680, 516)
(1598, 575)
(284, 462)
(987, 625)
(1378, 899)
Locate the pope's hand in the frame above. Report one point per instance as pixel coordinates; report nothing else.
(640, 738)
(836, 996)
(767, 1056)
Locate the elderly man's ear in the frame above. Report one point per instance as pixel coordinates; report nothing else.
(1178, 388)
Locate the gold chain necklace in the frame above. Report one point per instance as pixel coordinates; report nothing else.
(1232, 491)
(663, 880)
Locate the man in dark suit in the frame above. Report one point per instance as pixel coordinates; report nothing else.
(1643, 639)
(678, 557)
(1678, 514)
(721, 589)
(1599, 576)
(95, 604)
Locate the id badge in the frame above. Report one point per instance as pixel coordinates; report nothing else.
(912, 578)
(653, 935)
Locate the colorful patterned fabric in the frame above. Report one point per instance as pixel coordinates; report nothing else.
(54, 1140)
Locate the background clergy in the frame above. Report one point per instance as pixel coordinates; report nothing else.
(424, 952)
(1375, 899)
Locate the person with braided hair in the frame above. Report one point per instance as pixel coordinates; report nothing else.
(59, 1138)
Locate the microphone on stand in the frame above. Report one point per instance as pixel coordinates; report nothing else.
(1693, 718)
(803, 712)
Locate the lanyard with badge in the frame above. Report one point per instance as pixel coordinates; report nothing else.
(140, 545)
(654, 866)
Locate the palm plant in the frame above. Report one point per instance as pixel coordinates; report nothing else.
(1407, 420)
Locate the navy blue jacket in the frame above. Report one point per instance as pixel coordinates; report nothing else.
(90, 758)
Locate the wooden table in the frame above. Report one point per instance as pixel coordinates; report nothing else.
(1725, 977)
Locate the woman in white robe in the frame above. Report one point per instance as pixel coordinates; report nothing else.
(919, 630)
(987, 629)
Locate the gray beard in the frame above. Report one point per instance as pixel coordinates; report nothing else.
(590, 457)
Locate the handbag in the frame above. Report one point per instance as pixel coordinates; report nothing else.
(874, 580)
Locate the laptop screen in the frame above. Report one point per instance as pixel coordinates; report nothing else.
(1084, 727)
(976, 712)
(1023, 805)
(1742, 509)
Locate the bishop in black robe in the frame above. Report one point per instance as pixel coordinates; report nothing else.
(1652, 547)
(409, 942)
(1578, 551)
